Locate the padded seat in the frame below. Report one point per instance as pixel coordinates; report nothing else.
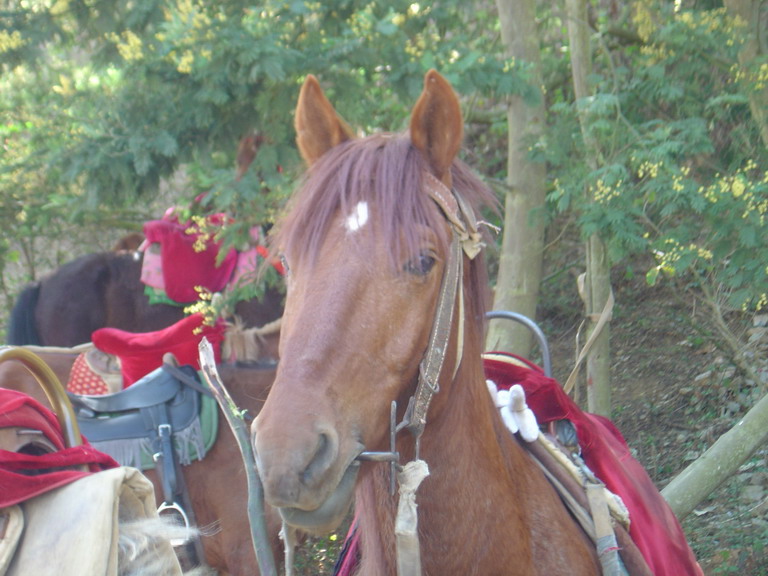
(142, 352)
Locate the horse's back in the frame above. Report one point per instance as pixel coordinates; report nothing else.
(71, 303)
(104, 289)
(94, 291)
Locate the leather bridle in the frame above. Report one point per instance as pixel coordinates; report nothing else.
(465, 239)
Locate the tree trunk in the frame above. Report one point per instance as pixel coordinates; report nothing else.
(597, 286)
(718, 463)
(749, 12)
(520, 263)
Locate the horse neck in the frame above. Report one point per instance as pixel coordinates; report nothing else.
(473, 460)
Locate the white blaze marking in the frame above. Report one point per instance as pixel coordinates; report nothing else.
(358, 218)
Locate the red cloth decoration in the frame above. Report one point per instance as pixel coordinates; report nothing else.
(142, 352)
(17, 409)
(653, 525)
(183, 267)
(83, 380)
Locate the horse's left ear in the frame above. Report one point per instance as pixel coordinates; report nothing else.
(437, 127)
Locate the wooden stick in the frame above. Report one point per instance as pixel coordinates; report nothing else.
(234, 417)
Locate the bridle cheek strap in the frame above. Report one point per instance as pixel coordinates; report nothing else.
(459, 214)
(465, 239)
(432, 363)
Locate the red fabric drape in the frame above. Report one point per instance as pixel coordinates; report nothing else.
(55, 469)
(654, 527)
(183, 266)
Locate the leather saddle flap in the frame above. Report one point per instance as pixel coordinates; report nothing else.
(131, 413)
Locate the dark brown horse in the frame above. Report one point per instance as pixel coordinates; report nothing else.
(371, 241)
(217, 484)
(104, 289)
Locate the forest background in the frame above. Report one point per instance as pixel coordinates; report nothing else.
(637, 127)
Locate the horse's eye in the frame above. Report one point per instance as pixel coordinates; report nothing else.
(421, 264)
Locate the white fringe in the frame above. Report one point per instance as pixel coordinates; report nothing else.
(243, 344)
(140, 543)
(189, 444)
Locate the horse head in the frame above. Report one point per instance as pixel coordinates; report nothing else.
(367, 243)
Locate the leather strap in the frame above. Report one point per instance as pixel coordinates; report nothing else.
(465, 239)
(186, 379)
(432, 364)
(575, 498)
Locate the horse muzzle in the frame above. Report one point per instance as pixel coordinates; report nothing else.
(308, 474)
(331, 512)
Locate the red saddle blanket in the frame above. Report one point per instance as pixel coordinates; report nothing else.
(24, 476)
(653, 525)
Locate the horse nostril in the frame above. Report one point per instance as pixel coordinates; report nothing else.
(321, 460)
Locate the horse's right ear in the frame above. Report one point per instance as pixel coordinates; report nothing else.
(318, 127)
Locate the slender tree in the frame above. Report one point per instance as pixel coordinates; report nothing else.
(596, 288)
(751, 18)
(520, 261)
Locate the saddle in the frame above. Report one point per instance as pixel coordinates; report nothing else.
(156, 420)
(168, 396)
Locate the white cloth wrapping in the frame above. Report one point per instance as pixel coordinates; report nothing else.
(514, 411)
(73, 530)
(407, 521)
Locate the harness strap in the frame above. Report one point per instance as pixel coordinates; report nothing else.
(607, 548)
(575, 497)
(465, 239)
(175, 494)
(157, 418)
(186, 379)
(458, 213)
(432, 364)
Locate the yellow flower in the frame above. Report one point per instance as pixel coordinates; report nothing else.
(12, 41)
(738, 187)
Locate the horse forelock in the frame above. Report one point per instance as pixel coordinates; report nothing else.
(384, 171)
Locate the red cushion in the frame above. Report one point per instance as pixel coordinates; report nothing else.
(24, 476)
(142, 352)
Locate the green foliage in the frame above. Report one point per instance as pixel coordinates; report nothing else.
(165, 83)
(104, 101)
(682, 172)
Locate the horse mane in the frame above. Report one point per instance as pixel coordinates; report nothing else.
(385, 170)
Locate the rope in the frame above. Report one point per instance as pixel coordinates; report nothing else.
(603, 319)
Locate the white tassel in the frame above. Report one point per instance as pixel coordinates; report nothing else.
(524, 416)
(514, 411)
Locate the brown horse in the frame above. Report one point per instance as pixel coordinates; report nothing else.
(368, 242)
(217, 484)
(105, 289)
